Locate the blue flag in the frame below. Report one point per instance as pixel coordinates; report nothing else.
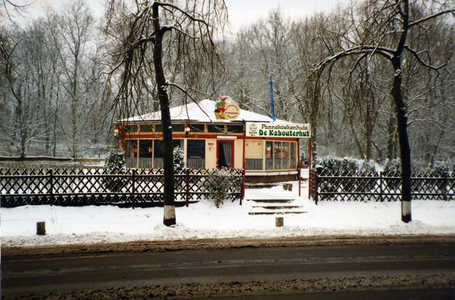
(271, 99)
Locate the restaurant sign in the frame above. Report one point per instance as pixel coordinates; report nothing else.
(255, 129)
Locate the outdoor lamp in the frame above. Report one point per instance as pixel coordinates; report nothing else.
(187, 131)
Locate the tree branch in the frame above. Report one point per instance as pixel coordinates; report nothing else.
(163, 4)
(432, 17)
(416, 55)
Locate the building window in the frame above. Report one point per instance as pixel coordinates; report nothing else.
(131, 153)
(158, 154)
(268, 155)
(145, 154)
(234, 128)
(131, 128)
(215, 128)
(293, 160)
(196, 127)
(254, 155)
(177, 143)
(178, 127)
(158, 128)
(195, 154)
(146, 128)
(285, 156)
(277, 155)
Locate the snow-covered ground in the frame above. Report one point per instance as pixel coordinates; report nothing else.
(107, 224)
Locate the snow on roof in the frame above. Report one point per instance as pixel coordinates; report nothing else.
(202, 112)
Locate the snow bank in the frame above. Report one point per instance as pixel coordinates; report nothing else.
(107, 224)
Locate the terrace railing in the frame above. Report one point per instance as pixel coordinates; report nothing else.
(79, 187)
(377, 186)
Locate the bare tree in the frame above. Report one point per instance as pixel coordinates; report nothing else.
(24, 83)
(384, 33)
(310, 38)
(262, 50)
(50, 77)
(71, 30)
(9, 9)
(154, 31)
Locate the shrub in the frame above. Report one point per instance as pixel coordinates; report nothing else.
(345, 165)
(179, 163)
(441, 168)
(114, 164)
(392, 166)
(305, 159)
(219, 183)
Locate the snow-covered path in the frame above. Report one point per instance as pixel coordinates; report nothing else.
(108, 224)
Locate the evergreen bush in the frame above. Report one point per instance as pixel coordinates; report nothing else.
(392, 166)
(219, 183)
(347, 165)
(115, 164)
(441, 168)
(179, 162)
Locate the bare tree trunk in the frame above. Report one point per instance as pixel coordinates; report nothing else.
(169, 205)
(23, 132)
(354, 135)
(391, 134)
(405, 151)
(369, 127)
(435, 149)
(402, 120)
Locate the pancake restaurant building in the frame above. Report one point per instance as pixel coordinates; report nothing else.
(215, 135)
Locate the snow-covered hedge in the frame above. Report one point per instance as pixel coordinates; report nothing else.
(347, 164)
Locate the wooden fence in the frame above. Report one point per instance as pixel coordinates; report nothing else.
(374, 186)
(144, 188)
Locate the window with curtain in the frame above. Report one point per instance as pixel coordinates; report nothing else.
(195, 154)
(158, 154)
(131, 153)
(145, 154)
(254, 155)
(269, 155)
(285, 156)
(293, 160)
(277, 151)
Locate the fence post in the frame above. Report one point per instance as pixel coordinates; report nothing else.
(380, 186)
(299, 171)
(315, 187)
(132, 187)
(243, 186)
(444, 185)
(51, 186)
(187, 189)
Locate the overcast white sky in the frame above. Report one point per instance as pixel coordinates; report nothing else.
(241, 12)
(246, 11)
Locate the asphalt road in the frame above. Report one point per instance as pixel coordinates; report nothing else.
(278, 266)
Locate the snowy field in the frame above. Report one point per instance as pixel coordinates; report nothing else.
(107, 224)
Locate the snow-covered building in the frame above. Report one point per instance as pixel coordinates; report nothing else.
(215, 135)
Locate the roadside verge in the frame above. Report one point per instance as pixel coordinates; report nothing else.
(10, 253)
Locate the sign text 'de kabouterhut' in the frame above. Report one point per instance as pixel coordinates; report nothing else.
(278, 130)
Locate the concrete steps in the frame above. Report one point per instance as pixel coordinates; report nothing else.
(274, 207)
(271, 200)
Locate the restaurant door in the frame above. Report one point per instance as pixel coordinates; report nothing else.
(225, 154)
